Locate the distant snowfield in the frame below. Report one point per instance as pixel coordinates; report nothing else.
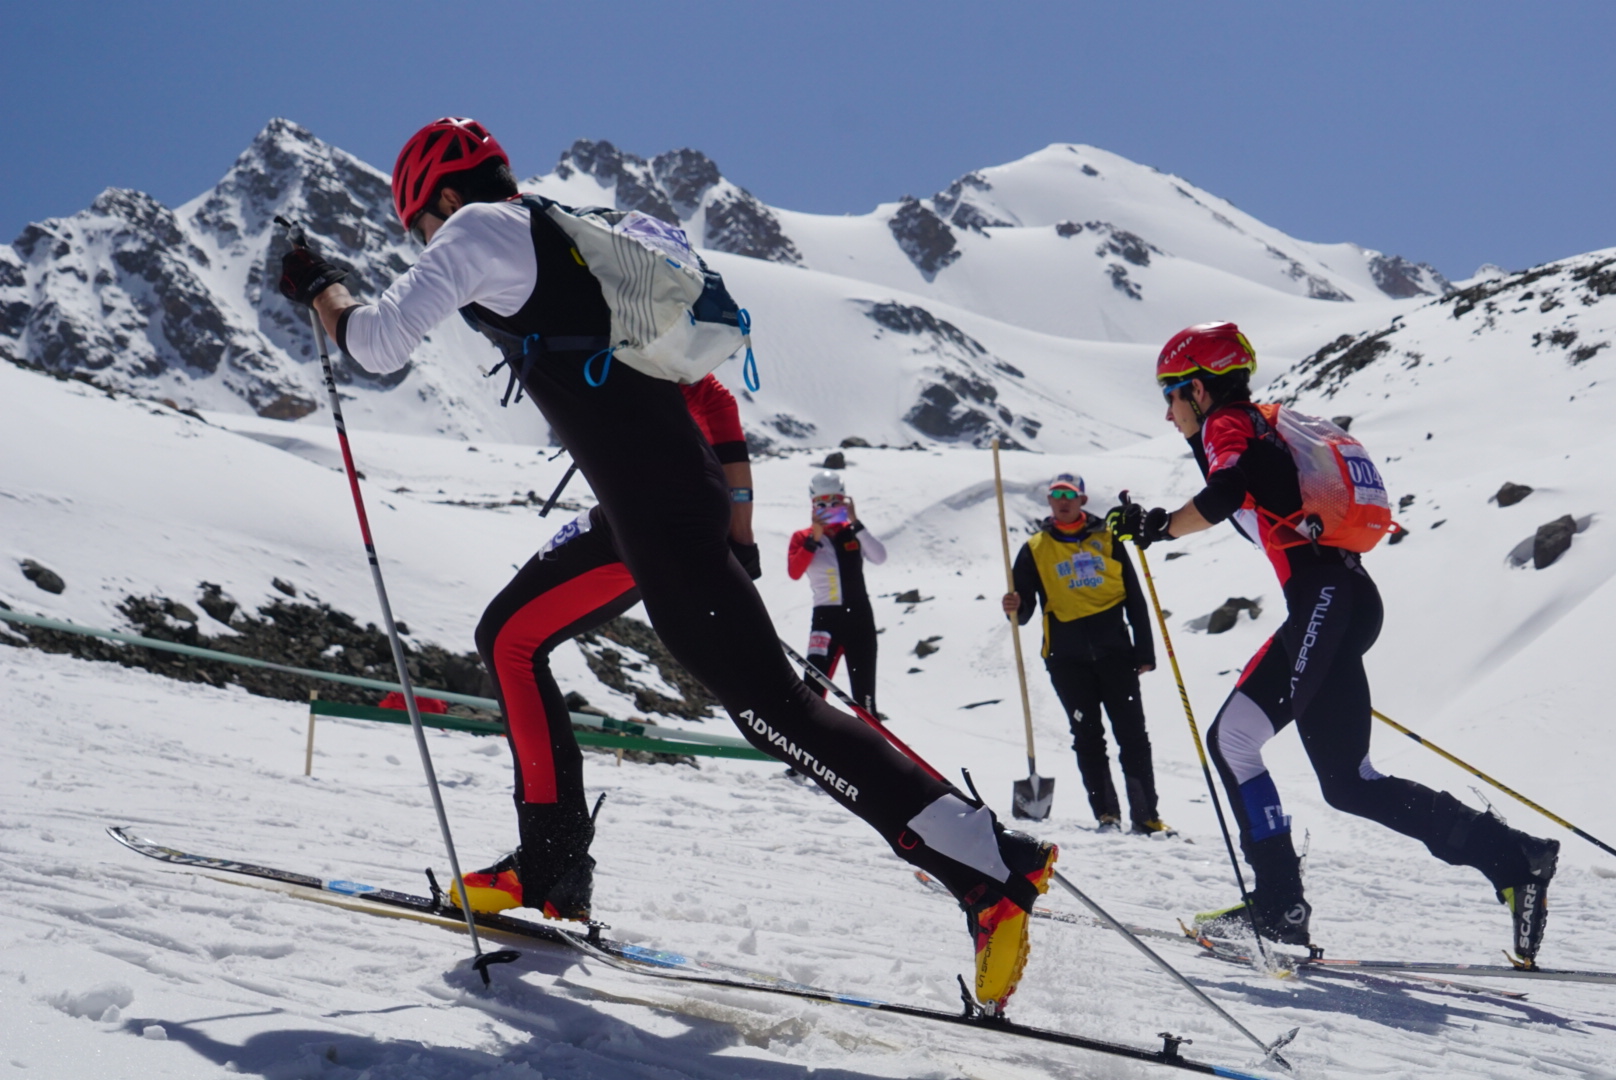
(113, 966)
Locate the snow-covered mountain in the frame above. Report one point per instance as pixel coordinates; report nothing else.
(992, 308)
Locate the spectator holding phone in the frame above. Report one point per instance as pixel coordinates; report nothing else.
(832, 552)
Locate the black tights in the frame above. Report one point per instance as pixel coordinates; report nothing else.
(1312, 672)
(664, 498)
(846, 630)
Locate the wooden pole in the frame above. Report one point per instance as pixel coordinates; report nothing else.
(1015, 626)
(308, 753)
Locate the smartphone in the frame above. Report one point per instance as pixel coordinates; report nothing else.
(834, 515)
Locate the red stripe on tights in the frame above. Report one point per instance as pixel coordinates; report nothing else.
(522, 635)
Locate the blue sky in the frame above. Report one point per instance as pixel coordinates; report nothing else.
(1453, 133)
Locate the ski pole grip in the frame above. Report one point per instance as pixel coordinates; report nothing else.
(294, 232)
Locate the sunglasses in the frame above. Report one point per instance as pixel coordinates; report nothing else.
(1167, 391)
(1063, 493)
(828, 500)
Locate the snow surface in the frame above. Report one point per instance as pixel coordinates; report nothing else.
(113, 966)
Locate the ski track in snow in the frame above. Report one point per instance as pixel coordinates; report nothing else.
(729, 862)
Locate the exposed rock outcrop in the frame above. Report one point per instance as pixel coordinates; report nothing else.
(924, 237)
(1397, 277)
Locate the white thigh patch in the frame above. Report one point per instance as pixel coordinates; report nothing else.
(819, 643)
(1243, 729)
(951, 826)
(570, 531)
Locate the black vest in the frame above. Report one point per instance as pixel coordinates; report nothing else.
(567, 310)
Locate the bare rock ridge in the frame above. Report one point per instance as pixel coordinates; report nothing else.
(958, 401)
(956, 206)
(684, 187)
(923, 236)
(1399, 278)
(1552, 296)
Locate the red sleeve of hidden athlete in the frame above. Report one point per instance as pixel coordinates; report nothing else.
(800, 553)
(714, 410)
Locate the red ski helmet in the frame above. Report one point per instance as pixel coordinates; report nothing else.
(439, 150)
(1214, 348)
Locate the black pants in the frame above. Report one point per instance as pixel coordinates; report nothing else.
(846, 630)
(635, 435)
(562, 592)
(1312, 672)
(1112, 681)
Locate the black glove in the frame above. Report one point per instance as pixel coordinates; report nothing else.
(1144, 527)
(1155, 527)
(748, 556)
(304, 275)
(1126, 521)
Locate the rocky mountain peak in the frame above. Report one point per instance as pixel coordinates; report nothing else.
(686, 175)
(631, 175)
(686, 188)
(1399, 278)
(957, 206)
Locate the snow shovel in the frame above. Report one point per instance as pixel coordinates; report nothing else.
(1030, 798)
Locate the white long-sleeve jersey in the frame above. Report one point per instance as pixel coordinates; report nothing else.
(835, 564)
(483, 254)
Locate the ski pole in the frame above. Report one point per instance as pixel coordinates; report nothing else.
(1511, 792)
(1270, 1050)
(481, 959)
(860, 711)
(1200, 750)
(549, 504)
(824, 680)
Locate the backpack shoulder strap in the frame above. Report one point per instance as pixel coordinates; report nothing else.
(1265, 419)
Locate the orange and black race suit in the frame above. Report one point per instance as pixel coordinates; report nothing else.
(1312, 672)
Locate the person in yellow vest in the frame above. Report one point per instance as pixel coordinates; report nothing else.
(1082, 576)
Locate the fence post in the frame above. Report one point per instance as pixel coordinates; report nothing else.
(308, 753)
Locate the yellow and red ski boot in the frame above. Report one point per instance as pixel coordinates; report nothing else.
(492, 889)
(998, 925)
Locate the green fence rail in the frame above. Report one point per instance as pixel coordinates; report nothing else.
(588, 729)
(619, 730)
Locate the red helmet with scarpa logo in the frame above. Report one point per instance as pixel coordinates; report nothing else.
(441, 149)
(1214, 348)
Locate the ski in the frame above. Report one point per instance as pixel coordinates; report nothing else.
(1230, 952)
(1411, 968)
(1490, 971)
(1297, 964)
(659, 963)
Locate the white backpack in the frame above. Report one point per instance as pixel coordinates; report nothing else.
(672, 317)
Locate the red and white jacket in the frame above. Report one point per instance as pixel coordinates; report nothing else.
(835, 564)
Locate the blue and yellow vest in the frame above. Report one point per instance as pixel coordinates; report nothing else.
(1080, 576)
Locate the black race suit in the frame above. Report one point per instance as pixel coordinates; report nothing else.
(633, 434)
(1312, 672)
